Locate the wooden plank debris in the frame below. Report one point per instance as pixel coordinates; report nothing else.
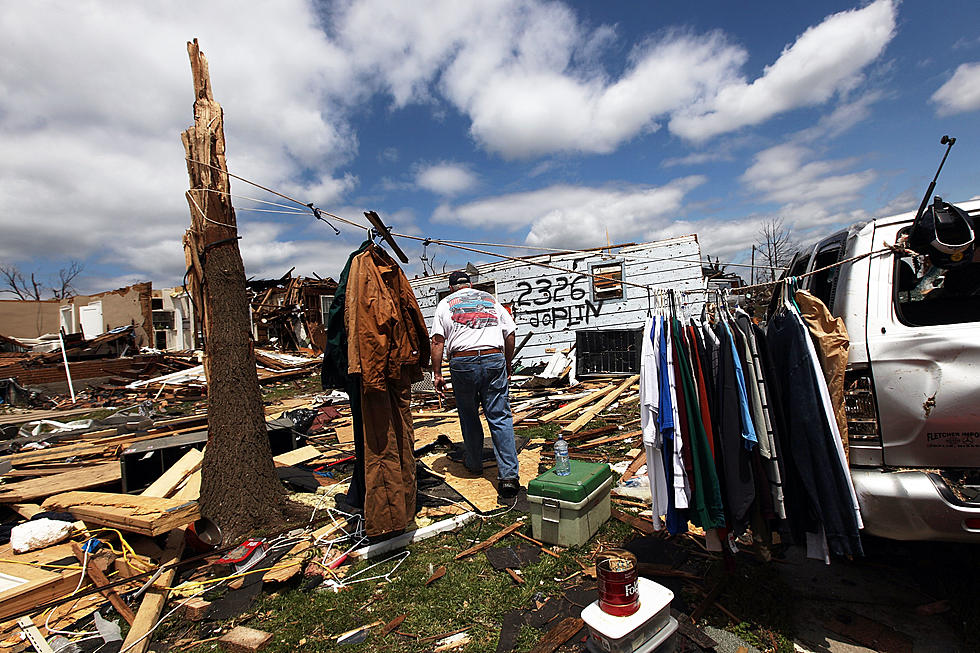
(575, 405)
(540, 545)
(100, 580)
(603, 403)
(138, 514)
(138, 638)
(436, 575)
(564, 631)
(195, 609)
(78, 479)
(171, 479)
(639, 461)
(599, 443)
(394, 623)
(642, 525)
(297, 456)
(490, 541)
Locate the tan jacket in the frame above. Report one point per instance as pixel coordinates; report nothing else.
(386, 335)
(832, 347)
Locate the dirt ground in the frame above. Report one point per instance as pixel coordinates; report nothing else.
(903, 596)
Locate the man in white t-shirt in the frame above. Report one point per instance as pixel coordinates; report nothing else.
(477, 333)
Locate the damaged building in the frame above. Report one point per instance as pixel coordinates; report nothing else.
(583, 300)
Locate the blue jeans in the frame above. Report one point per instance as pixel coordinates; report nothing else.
(484, 379)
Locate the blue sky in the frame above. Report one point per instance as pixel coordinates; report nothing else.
(549, 124)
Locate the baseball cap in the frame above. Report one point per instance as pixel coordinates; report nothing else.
(457, 277)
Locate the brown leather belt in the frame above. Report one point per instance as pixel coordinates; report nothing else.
(477, 352)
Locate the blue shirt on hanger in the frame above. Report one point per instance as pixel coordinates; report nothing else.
(748, 429)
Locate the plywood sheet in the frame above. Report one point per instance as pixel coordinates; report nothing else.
(83, 478)
(481, 491)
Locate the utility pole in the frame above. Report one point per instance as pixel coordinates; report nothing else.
(240, 490)
(752, 273)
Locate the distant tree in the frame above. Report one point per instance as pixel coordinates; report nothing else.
(12, 281)
(776, 246)
(63, 288)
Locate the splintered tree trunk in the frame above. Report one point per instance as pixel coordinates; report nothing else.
(239, 486)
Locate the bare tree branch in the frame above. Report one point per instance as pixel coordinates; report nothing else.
(776, 245)
(66, 276)
(12, 281)
(15, 284)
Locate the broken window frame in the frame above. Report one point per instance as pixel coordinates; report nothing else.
(607, 289)
(924, 306)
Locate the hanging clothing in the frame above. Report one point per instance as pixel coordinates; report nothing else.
(682, 485)
(667, 422)
(760, 412)
(697, 351)
(649, 407)
(387, 347)
(387, 336)
(333, 375)
(831, 419)
(706, 504)
(748, 430)
(732, 457)
(811, 441)
(833, 343)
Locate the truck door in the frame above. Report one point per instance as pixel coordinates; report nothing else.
(923, 339)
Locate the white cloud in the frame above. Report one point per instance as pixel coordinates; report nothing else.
(809, 191)
(527, 74)
(824, 60)
(93, 98)
(961, 93)
(446, 178)
(576, 216)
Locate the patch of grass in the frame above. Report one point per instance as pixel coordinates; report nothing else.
(471, 595)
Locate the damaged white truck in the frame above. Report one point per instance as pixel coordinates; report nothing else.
(913, 376)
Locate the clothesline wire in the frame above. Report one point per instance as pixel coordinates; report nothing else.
(252, 199)
(887, 248)
(447, 243)
(525, 260)
(309, 205)
(558, 250)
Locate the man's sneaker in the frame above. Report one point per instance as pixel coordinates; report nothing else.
(508, 488)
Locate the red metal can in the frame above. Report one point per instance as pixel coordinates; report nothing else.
(619, 587)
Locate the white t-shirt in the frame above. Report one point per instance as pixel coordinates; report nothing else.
(472, 319)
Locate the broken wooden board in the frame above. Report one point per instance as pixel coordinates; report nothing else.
(83, 478)
(490, 541)
(575, 405)
(31, 585)
(137, 514)
(603, 403)
(138, 637)
(642, 525)
(297, 456)
(100, 580)
(171, 479)
(480, 491)
(564, 631)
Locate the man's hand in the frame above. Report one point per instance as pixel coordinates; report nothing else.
(439, 381)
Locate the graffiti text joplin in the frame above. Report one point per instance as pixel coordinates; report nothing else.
(555, 301)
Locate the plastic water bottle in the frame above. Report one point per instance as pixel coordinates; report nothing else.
(562, 464)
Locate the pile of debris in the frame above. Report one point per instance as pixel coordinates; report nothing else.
(288, 313)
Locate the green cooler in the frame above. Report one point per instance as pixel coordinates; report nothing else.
(568, 510)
